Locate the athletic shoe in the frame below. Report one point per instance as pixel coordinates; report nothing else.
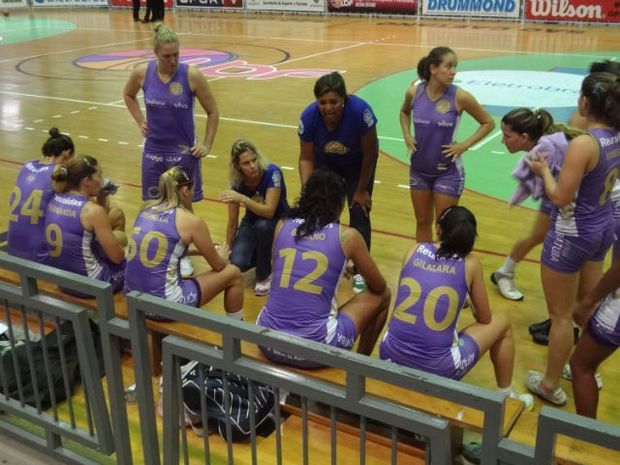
(543, 326)
(542, 338)
(263, 286)
(505, 282)
(471, 452)
(187, 269)
(527, 399)
(567, 374)
(359, 284)
(533, 380)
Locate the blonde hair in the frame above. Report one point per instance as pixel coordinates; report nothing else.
(164, 35)
(169, 183)
(241, 146)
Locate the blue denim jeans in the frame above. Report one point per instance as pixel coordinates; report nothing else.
(252, 246)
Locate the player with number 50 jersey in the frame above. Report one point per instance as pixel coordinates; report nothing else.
(161, 236)
(30, 196)
(309, 256)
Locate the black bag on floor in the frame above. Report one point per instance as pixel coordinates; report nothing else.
(18, 352)
(239, 401)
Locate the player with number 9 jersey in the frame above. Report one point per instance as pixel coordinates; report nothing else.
(84, 234)
(310, 252)
(30, 196)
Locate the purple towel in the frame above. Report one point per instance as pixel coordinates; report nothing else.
(552, 148)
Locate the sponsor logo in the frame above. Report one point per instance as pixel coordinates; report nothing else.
(607, 141)
(212, 63)
(445, 124)
(69, 201)
(500, 90)
(153, 102)
(480, 6)
(565, 9)
(300, 128)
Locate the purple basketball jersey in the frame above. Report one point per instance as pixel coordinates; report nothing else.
(591, 212)
(431, 293)
(154, 254)
(305, 277)
(435, 123)
(28, 203)
(169, 111)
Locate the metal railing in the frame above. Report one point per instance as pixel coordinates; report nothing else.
(88, 421)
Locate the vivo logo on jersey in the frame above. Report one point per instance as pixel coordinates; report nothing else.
(486, 6)
(564, 9)
(445, 124)
(183, 106)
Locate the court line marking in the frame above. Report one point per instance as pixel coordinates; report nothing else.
(113, 105)
(60, 52)
(486, 140)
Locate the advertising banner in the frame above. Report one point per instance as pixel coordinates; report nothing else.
(127, 3)
(607, 11)
(403, 7)
(461, 8)
(314, 6)
(49, 3)
(209, 3)
(8, 4)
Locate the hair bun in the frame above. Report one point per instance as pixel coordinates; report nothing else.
(54, 132)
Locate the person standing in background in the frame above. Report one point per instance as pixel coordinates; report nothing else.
(338, 132)
(435, 105)
(582, 223)
(169, 90)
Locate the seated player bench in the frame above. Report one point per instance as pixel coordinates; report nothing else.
(459, 416)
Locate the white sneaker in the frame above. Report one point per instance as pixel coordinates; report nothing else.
(533, 380)
(263, 287)
(506, 284)
(527, 399)
(187, 269)
(567, 374)
(359, 284)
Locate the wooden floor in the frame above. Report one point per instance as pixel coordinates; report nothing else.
(46, 83)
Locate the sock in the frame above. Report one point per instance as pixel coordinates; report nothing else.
(238, 315)
(508, 390)
(508, 266)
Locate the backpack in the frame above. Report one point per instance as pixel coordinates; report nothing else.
(239, 403)
(16, 360)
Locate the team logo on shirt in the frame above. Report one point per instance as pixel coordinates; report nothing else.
(335, 147)
(442, 106)
(369, 118)
(300, 128)
(276, 178)
(176, 88)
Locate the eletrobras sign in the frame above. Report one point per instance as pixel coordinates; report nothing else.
(607, 11)
(494, 8)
